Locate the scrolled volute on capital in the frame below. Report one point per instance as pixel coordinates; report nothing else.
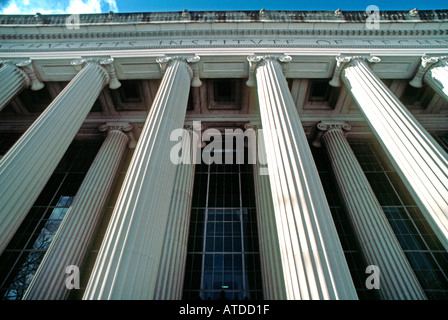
(190, 62)
(343, 61)
(107, 63)
(257, 60)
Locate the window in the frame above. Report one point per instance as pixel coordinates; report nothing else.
(416, 97)
(424, 251)
(22, 256)
(223, 256)
(129, 91)
(129, 97)
(36, 101)
(321, 95)
(224, 91)
(224, 94)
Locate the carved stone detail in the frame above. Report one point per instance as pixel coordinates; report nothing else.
(413, 12)
(249, 126)
(197, 130)
(255, 61)
(124, 127)
(325, 126)
(26, 67)
(426, 64)
(191, 63)
(343, 61)
(108, 65)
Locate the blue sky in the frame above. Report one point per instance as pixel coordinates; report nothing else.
(98, 6)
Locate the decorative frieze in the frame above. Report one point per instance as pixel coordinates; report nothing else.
(228, 16)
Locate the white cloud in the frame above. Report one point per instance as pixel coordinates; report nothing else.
(58, 7)
(11, 9)
(79, 6)
(112, 5)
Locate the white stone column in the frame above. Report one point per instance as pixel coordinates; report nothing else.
(27, 166)
(314, 266)
(376, 237)
(434, 71)
(73, 238)
(15, 75)
(174, 252)
(419, 160)
(270, 255)
(128, 262)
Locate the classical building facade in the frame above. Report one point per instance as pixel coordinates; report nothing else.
(257, 155)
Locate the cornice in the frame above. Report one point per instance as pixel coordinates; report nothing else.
(222, 33)
(227, 16)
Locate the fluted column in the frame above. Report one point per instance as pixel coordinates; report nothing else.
(69, 245)
(15, 75)
(128, 262)
(270, 256)
(27, 166)
(420, 161)
(376, 237)
(174, 253)
(314, 266)
(434, 71)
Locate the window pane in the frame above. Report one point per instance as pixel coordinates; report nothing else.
(228, 197)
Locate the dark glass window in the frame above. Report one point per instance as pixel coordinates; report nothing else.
(223, 256)
(412, 95)
(424, 251)
(321, 95)
(224, 91)
(224, 94)
(416, 97)
(129, 91)
(36, 101)
(319, 91)
(22, 256)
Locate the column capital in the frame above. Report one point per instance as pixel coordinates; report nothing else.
(250, 125)
(257, 60)
(124, 127)
(342, 61)
(198, 129)
(427, 62)
(195, 126)
(108, 65)
(325, 126)
(190, 62)
(26, 67)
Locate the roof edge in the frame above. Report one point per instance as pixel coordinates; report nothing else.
(415, 15)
